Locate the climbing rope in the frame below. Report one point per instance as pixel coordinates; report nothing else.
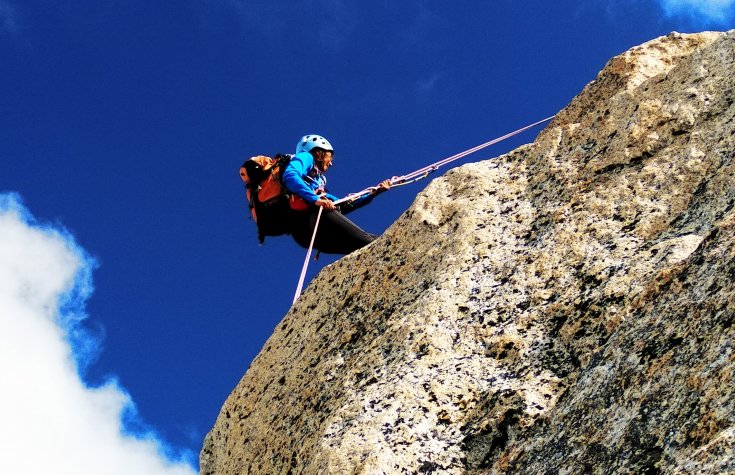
(405, 180)
(308, 255)
(424, 172)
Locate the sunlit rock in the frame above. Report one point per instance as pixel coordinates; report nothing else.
(565, 308)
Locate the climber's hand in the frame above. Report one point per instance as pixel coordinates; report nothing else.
(325, 203)
(383, 186)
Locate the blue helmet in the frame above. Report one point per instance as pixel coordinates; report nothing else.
(309, 142)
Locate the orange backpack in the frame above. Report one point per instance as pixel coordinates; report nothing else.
(268, 200)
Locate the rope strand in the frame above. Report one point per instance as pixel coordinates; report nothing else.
(425, 171)
(308, 255)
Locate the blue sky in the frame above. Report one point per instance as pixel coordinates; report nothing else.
(123, 124)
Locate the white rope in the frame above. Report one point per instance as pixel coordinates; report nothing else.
(308, 255)
(423, 172)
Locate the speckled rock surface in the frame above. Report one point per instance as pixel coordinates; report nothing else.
(565, 308)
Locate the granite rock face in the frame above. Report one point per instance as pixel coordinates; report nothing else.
(565, 308)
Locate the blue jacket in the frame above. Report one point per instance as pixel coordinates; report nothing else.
(304, 179)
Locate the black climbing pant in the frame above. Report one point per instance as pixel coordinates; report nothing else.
(336, 233)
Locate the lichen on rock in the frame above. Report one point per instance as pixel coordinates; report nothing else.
(564, 308)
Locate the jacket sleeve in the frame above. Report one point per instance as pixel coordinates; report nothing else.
(293, 176)
(357, 203)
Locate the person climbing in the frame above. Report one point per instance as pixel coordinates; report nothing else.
(304, 177)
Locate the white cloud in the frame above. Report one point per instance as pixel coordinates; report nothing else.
(684, 15)
(701, 12)
(52, 422)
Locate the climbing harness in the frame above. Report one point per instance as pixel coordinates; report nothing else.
(405, 180)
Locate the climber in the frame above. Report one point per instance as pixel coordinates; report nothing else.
(304, 178)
